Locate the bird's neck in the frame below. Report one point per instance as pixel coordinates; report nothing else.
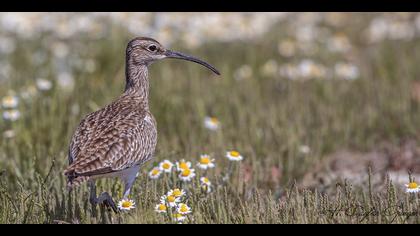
(137, 82)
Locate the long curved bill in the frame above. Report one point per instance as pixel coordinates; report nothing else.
(178, 55)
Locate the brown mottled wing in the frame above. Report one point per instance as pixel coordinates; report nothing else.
(106, 142)
(88, 129)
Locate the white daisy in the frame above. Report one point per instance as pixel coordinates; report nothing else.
(179, 217)
(234, 156)
(205, 184)
(243, 72)
(166, 166)
(205, 162)
(155, 173)
(126, 205)
(309, 69)
(182, 165)
(304, 149)
(346, 71)
(66, 80)
(43, 84)
(169, 200)
(211, 123)
(10, 102)
(9, 134)
(205, 181)
(412, 187)
(339, 43)
(187, 175)
(11, 115)
(183, 209)
(161, 208)
(178, 193)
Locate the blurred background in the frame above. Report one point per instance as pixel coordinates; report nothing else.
(306, 97)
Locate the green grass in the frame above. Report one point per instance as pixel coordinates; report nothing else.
(266, 118)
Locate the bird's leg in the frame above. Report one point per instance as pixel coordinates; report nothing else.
(129, 179)
(103, 198)
(92, 198)
(127, 187)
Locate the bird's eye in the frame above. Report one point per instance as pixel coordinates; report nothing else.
(152, 48)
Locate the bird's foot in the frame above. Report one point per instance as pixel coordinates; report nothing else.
(106, 200)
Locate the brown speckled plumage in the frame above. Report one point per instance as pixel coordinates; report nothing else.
(114, 138)
(118, 136)
(117, 139)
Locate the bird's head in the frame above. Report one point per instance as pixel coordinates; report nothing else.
(144, 51)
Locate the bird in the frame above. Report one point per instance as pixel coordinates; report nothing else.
(115, 141)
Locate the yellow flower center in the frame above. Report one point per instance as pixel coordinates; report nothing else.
(126, 204)
(162, 207)
(205, 160)
(8, 100)
(214, 120)
(177, 192)
(183, 208)
(171, 198)
(413, 185)
(155, 172)
(177, 215)
(205, 180)
(166, 166)
(234, 153)
(183, 165)
(186, 172)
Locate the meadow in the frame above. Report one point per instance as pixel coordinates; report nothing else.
(291, 100)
